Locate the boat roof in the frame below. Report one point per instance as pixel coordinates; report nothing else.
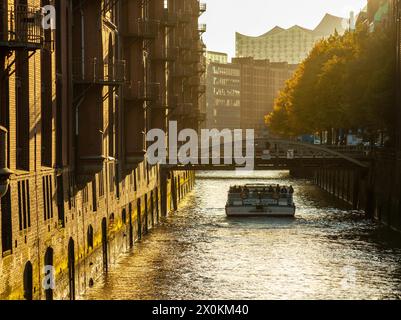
(259, 185)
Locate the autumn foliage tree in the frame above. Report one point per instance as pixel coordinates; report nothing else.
(347, 82)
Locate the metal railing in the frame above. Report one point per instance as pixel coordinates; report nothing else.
(22, 26)
(144, 29)
(170, 19)
(185, 44)
(184, 109)
(166, 54)
(194, 81)
(199, 115)
(202, 27)
(182, 71)
(185, 16)
(138, 90)
(201, 68)
(201, 47)
(98, 71)
(202, 7)
(201, 88)
(191, 57)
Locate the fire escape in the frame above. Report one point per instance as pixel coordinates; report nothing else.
(165, 52)
(20, 30)
(191, 68)
(91, 73)
(139, 34)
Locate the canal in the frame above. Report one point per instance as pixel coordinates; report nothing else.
(325, 252)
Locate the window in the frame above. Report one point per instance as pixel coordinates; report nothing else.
(111, 177)
(22, 109)
(94, 195)
(101, 184)
(85, 195)
(60, 201)
(6, 222)
(24, 210)
(90, 237)
(71, 197)
(47, 190)
(135, 185)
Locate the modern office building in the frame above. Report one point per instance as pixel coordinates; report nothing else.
(288, 45)
(223, 96)
(261, 81)
(218, 57)
(240, 93)
(75, 103)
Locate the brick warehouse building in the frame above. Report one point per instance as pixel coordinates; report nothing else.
(75, 103)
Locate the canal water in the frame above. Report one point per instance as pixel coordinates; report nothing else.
(325, 252)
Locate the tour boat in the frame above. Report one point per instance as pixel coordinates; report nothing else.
(260, 200)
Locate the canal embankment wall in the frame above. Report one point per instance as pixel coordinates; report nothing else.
(375, 190)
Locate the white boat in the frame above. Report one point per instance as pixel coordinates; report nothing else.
(260, 200)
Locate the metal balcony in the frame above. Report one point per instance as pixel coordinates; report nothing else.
(201, 89)
(170, 19)
(201, 47)
(173, 102)
(185, 43)
(139, 91)
(185, 16)
(4, 171)
(95, 71)
(166, 54)
(89, 164)
(194, 81)
(191, 58)
(183, 109)
(200, 116)
(202, 28)
(201, 68)
(21, 27)
(202, 7)
(182, 71)
(144, 29)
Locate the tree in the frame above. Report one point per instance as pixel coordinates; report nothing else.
(346, 82)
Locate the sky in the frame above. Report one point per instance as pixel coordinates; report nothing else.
(255, 17)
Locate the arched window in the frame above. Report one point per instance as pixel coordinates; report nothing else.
(48, 269)
(28, 281)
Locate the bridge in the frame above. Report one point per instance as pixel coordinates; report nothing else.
(281, 154)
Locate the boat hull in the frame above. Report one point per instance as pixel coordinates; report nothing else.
(255, 211)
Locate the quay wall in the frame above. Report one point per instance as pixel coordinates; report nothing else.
(375, 190)
(92, 239)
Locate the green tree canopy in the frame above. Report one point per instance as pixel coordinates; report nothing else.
(346, 82)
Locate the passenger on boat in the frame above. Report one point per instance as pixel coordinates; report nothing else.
(290, 195)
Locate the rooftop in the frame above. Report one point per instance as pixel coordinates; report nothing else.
(327, 26)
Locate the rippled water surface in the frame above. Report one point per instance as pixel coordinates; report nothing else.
(325, 252)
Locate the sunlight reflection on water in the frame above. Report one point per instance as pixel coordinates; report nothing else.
(325, 252)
